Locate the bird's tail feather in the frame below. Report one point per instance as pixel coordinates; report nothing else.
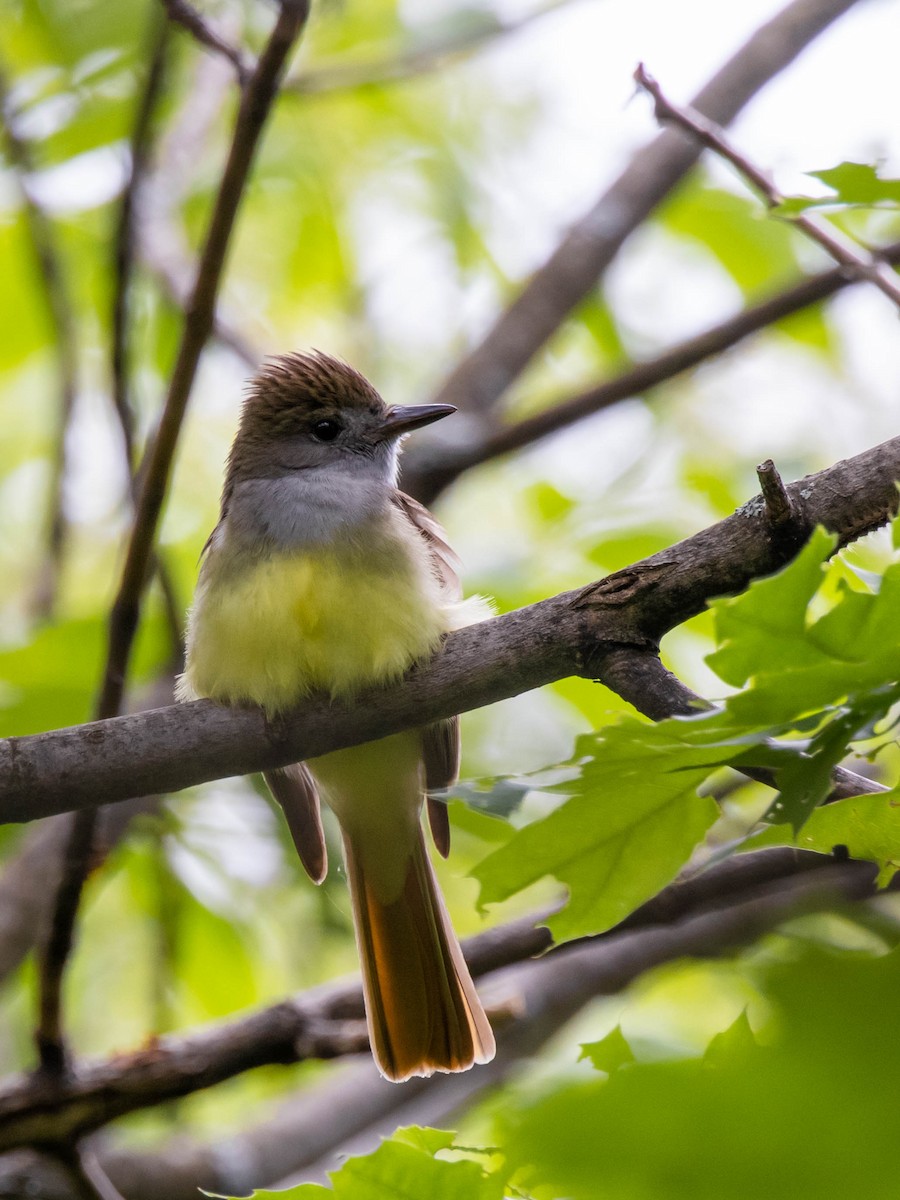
(423, 1012)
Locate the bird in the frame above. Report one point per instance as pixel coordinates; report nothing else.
(322, 576)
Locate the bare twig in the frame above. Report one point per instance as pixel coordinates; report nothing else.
(573, 269)
(124, 245)
(571, 634)
(162, 243)
(429, 469)
(184, 14)
(256, 101)
(709, 134)
(64, 326)
(124, 236)
(410, 61)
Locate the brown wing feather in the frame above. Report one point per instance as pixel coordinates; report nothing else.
(444, 560)
(440, 755)
(295, 790)
(440, 742)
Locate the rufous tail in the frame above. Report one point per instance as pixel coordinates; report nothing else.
(423, 1012)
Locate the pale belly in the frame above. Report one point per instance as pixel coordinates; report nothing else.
(276, 630)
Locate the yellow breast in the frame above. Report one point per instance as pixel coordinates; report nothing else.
(272, 631)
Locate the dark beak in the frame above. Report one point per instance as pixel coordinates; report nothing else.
(402, 418)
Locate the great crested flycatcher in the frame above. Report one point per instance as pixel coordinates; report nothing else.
(321, 575)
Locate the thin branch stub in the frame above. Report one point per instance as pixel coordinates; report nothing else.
(851, 256)
(780, 507)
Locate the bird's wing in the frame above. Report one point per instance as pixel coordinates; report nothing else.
(444, 561)
(440, 741)
(295, 790)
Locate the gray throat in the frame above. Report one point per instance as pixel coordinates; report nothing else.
(313, 507)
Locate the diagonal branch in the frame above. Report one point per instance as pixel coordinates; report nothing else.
(588, 248)
(183, 13)
(707, 133)
(571, 634)
(429, 469)
(355, 1105)
(125, 233)
(123, 263)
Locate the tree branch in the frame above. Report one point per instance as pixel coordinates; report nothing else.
(37, 1111)
(573, 633)
(639, 677)
(707, 133)
(585, 252)
(347, 1110)
(162, 243)
(184, 14)
(255, 105)
(429, 468)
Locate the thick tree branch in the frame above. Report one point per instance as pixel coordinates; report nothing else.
(429, 468)
(590, 245)
(841, 249)
(37, 1111)
(573, 633)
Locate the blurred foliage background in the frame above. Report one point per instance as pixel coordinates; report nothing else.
(422, 159)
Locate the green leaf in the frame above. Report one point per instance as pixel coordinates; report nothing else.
(404, 1168)
(752, 250)
(797, 665)
(805, 780)
(626, 834)
(498, 797)
(732, 1043)
(766, 623)
(869, 826)
(859, 183)
(609, 1053)
(803, 1116)
(420, 1137)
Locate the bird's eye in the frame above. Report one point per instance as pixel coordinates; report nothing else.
(325, 431)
